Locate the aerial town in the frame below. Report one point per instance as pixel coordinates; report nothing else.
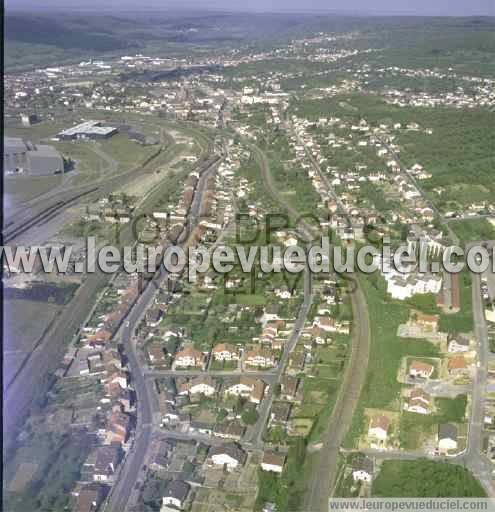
(151, 391)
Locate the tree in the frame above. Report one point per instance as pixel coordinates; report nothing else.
(222, 414)
(250, 416)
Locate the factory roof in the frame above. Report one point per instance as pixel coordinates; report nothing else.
(88, 127)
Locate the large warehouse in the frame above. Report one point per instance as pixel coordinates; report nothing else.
(88, 130)
(21, 157)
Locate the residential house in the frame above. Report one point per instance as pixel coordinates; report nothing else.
(225, 352)
(189, 357)
(269, 333)
(89, 498)
(156, 352)
(246, 387)
(458, 343)
(202, 385)
(232, 430)
(229, 455)
(288, 388)
(456, 365)
(169, 414)
(314, 333)
(176, 494)
(118, 427)
(273, 462)
(159, 462)
(419, 402)
(447, 437)
(270, 312)
(421, 369)
(297, 360)
(153, 316)
(362, 469)
(427, 322)
(126, 399)
(378, 428)
(326, 323)
(260, 357)
(107, 460)
(111, 358)
(116, 376)
(280, 413)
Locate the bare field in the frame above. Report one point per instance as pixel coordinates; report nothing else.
(24, 323)
(20, 189)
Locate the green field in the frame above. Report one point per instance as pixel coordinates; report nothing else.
(416, 427)
(425, 479)
(381, 389)
(473, 230)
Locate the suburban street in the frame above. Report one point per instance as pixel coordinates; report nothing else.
(30, 380)
(266, 404)
(238, 262)
(146, 403)
(121, 496)
(476, 461)
(321, 488)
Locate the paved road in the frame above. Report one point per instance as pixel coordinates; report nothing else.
(256, 438)
(268, 375)
(408, 176)
(472, 457)
(325, 470)
(32, 379)
(131, 471)
(475, 460)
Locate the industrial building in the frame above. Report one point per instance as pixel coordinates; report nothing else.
(88, 130)
(20, 157)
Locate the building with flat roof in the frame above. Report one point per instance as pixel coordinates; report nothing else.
(88, 130)
(26, 158)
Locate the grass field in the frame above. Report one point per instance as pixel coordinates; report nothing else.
(381, 389)
(425, 479)
(415, 428)
(127, 152)
(473, 230)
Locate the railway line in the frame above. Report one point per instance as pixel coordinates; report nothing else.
(13, 230)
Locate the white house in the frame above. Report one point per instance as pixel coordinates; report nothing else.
(362, 469)
(273, 462)
(421, 369)
(229, 455)
(225, 352)
(447, 437)
(176, 494)
(378, 428)
(458, 343)
(419, 402)
(189, 357)
(202, 385)
(247, 387)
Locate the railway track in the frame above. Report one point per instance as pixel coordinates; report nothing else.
(12, 230)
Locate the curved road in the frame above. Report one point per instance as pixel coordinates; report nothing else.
(325, 470)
